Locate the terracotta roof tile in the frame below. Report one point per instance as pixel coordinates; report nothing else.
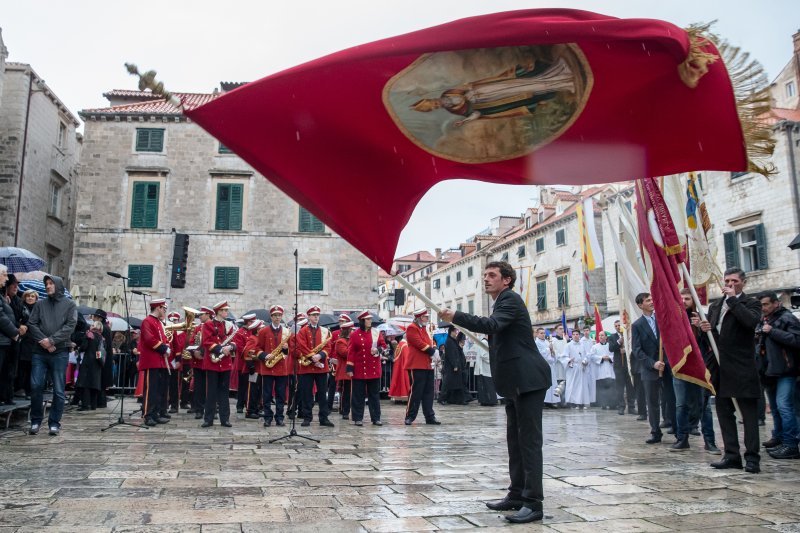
(777, 114)
(423, 256)
(130, 93)
(153, 107)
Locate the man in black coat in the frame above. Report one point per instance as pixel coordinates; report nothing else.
(778, 349)
(653, 366)
(107, 371)
(522, 376)
(733, 320)
(622, 375)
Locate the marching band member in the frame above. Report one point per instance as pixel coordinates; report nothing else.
(175, 363)
(271, 346)
(219, 353)
(198, 374)
(154, 349)
(240, 367)
(340, 348)
(253, 403)
(334, 366)
(551, 398)
(313, 347)
(300, 320)
(364, 367)
(400, 387)
(421, 349)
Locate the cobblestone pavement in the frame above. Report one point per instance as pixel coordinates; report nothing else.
(600, 476)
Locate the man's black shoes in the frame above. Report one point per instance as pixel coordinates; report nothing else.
(525, 515)
(655, 439)
(306, 423)
(206, 424)
(326, 423)
(752, 467)
(506, 504)
(408, 421)
(680, 445)
(433, 421)
(727, 462)
(641, 417)
(225, 424)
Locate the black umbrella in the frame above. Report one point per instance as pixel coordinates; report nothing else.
(795, 244)
(376, 320)
(261, 314)
(86, 310)
(134, 322)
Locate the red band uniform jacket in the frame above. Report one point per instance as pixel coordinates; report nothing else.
(420, 348)
(153, 344)
(267, 341)
(214, 333)
(360, 360)
(309, 338)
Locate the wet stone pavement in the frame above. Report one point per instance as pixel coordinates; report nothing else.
(599, 476)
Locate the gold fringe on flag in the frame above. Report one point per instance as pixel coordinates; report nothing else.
(750, 88)
(148, 81)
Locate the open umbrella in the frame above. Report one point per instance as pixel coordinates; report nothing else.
(118, 323)
(261, 314)
(86, 309)
(117, 305)
(389, 330)
(134, 322)
(20, 259)
(76, 294)
(376, 320)
(38, 286)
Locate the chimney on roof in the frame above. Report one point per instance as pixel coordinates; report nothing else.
(417, 256)
(438, 254)
(796, 39)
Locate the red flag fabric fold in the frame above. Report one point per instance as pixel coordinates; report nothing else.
(524, 97)
(662, 253)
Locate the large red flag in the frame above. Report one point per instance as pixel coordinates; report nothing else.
(662, 252)
(524, 97)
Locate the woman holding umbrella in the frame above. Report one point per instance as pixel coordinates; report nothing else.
(26, 345)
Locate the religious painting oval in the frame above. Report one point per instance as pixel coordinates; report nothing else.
(489, 104)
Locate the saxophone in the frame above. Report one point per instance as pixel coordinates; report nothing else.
(305, 360)
(277, 355)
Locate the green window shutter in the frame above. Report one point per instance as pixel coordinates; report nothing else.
(731, 250)
(226, 277)
(224, 149)
(144, 206)
(140, 275)
(309, 223)
(311, 279)
(223, 206)
(541, 295)
(761, 247)
(219, 277)
(149, 140)
(237, 199)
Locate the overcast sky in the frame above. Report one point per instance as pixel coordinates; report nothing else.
(79, 48)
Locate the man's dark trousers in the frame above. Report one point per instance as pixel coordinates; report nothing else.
(217, 385)
(641, 395)
(622, 380)
(524, 439)
(307, 395)
(730, 433)
(421, 393)
(652, 391)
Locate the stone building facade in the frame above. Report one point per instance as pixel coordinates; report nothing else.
(149, 174)
(39, 154)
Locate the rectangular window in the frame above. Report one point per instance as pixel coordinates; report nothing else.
(562, 287)
(144, 208)
(140, 275)
(311, 279)
(437, 283)
(149, 139)
(471, 307)
(540, 245)
(737, 175)
(458, 276)
(226, 277)
(458, 306)
(541, 294)
(55, 200)
(528, 223)
(223, 149)
(311, 224)
(469, 272)
(540, 217)
(521, 251)
(790, 89)
(447, 281)
(561, 237)
(747, 248)
(62, 135)
(229, 206)
(504, 257)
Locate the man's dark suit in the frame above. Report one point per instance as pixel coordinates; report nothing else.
(622, 376)
(645, 350)
(522, 376)
(736, 376)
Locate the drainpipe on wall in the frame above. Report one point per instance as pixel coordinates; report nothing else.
(789, 127)
(24, 152)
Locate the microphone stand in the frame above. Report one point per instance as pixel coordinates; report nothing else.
(144, 296)
(121, 420)
(293, 405)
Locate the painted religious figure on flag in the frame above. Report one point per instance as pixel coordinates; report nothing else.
(513, 99)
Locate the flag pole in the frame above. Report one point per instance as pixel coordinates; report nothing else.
(404, 282)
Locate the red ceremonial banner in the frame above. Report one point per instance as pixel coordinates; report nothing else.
(662, 251)
(526, 97)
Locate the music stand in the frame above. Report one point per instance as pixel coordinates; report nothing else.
(293, 405)
(121, 420)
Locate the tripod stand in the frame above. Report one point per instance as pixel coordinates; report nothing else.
(121, 420)
(293, 405)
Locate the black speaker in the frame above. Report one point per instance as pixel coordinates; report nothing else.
(399, 296)
(180, 260)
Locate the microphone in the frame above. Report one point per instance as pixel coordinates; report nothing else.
(140, 293)
(115, 275)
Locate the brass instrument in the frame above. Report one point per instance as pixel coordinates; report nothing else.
(277, 355)
(187, 325)
(305, 360)
(217, 358)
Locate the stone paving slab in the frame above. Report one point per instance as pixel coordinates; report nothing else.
(599, 476)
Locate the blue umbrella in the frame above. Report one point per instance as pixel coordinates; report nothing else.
(38, 286)
(20, 260)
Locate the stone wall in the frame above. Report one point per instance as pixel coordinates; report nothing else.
(189, 170)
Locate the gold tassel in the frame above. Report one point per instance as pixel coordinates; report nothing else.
(148, 81)
(750, 88)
